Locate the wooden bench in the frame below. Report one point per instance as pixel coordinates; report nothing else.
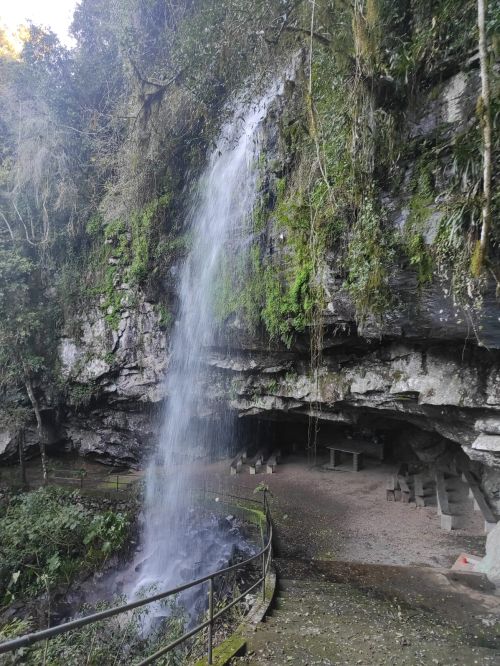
(272, 462)
(353, 449)
(480, 503)
(448, 520)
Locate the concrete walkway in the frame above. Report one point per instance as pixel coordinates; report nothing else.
(319, 620)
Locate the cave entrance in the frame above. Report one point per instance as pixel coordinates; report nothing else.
(387, 512)
(382, 440)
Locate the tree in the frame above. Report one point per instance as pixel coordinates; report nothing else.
(484, 113)
(21, 325)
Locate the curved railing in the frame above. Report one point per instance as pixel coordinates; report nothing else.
(265, 555)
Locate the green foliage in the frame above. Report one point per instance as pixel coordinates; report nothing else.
(477, 261)
(170, 248)
(455, 244)
(47, 537)
(109, 357)
(111, 642)
(442, 31)
(94, 170)
(80, 395)
(421, 208)
(94, 225)
(420, 256)
(288, 306)
(126, 255)
(20, 317)
(369, 259)
(240, 288)
(165, 317)
(142, 231)
(26, 317)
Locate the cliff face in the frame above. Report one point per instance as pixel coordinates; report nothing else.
(428, 370)
(424, 369)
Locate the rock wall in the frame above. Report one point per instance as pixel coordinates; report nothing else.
(439, 390)
(431, 363)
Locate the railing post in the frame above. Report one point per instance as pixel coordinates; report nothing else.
(210, 617)
(263, 576)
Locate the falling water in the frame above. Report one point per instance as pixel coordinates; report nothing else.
(223, 204)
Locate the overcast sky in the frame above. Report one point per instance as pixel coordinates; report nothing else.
(55, 14)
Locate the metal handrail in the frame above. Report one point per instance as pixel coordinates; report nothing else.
(265, 553)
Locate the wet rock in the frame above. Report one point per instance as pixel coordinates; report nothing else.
(8, 445)
(422, 364)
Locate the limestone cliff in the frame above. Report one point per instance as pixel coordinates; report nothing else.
(417, 356)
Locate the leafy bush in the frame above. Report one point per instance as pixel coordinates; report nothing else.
(118, 640)
(47, 536)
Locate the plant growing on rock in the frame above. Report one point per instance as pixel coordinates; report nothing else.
(368, 261)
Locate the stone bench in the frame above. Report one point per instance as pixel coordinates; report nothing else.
(353, 449)
(449, 521)
(272, 462)
(419, 483)
(404, 488)
(237, 462)
(255, 464)
(480, 503)
(398, 486)
(392, 486)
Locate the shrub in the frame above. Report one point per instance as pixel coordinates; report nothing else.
(47, 537)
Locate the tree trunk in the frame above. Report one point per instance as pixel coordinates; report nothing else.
(39, 426)
(22, 466)
(484, 112)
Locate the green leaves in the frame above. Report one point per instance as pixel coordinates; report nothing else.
(47, 536)
(369, 260)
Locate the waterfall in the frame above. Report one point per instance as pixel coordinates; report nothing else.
(220, 210)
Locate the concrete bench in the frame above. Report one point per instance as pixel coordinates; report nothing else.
(405, 489)
(480, 503)
(397, 487)
(256, 463)
(338, 449)
(237, 462)
(421, 496)
(448, 520)
(272, 462)
(392, 486)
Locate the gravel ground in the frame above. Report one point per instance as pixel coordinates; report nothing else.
(364, 580)
(343, 515)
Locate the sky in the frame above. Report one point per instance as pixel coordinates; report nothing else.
(55, 14)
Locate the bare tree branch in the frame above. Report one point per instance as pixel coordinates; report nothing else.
(7, 225)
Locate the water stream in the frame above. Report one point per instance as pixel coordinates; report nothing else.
(172, 549)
